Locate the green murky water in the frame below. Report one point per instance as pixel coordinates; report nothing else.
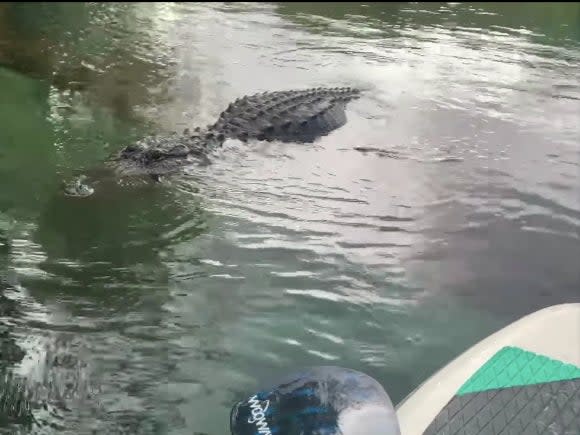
(151, 309)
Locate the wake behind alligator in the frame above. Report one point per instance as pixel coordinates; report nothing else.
(299, 116)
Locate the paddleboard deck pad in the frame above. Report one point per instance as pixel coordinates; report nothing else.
(515, 392)
(524, 379)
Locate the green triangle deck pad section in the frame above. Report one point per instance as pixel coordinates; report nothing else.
(512, 366)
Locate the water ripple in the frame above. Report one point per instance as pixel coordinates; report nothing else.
(449, 197)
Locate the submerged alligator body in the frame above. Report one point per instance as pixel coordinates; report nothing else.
(299, 116)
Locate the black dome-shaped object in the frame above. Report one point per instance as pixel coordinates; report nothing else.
(318, 401)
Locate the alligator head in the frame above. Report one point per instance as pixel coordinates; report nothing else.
(161, 155)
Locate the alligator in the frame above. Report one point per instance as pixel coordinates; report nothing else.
(299, 116)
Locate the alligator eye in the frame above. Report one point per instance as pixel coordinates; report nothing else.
(129, 151)
(154, 154)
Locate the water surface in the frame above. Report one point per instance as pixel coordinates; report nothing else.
(447, 206)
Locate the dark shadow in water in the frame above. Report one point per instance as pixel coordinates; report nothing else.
(105, 268)
(31, 35)
(15, 405)
(87, 48)
(103, 265)
(27, 158)
(116, 235)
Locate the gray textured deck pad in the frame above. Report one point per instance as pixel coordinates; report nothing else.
(549, 408)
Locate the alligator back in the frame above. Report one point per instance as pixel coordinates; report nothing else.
(287, 116)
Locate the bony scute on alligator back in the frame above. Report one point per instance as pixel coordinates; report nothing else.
(299, 116)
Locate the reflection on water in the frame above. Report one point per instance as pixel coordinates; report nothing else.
(450, 198)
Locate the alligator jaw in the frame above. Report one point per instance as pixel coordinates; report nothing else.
(162, 155)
